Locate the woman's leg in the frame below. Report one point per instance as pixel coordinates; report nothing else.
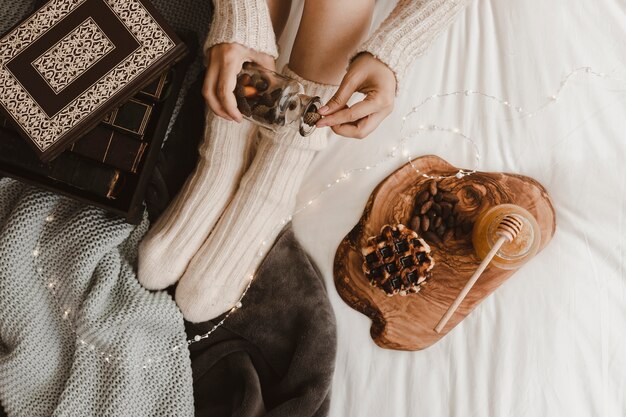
(279, 13)
(219, 272)
(165, 252)
(329, 33)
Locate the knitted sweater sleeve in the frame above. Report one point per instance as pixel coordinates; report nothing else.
(409, 30)
(246, 22)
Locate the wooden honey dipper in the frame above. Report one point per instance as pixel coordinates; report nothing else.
(508, 229)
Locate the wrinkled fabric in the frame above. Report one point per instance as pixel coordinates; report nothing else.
(274, 357)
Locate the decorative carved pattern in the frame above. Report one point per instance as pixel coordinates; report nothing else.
(69, 58)
(45, 130)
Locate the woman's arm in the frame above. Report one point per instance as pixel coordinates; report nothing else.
(379, 64)
(409, 30)
(246, 22)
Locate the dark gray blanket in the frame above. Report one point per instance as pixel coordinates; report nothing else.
(275, 357)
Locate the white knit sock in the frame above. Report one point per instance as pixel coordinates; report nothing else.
(173, 240)
(218, 274)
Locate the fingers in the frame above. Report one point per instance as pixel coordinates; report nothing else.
(208, 91)
(352, 114)
(361, 128)
(348, 86)
(225, 90)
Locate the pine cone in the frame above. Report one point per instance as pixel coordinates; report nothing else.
(243, 106)
(267, 100)
(261, 110)
(398, 261)
(311, 118)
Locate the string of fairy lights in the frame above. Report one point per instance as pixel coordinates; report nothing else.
(399, 149)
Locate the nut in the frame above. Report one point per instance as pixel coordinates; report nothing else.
(415, 223)
(422, 197)
(432, 237)
(425, 207)
(450, 198)
(425, 223)
(432, 187)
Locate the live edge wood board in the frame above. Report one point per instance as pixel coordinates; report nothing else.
(407, 323)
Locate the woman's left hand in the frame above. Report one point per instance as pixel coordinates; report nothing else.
(367, 75)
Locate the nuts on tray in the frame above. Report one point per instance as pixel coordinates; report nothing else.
(435, 217)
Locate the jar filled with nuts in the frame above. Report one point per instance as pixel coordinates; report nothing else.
(273, 100)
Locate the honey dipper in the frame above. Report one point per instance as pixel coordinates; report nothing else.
(507, 230)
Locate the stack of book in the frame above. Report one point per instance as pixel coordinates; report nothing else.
(87, 89)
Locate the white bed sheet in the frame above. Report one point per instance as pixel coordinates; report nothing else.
(552, 340)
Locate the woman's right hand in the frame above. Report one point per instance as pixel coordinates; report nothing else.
(224, 62)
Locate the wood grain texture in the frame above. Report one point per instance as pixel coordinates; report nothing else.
(407, 323)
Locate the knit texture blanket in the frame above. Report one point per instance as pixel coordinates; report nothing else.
(78, 335)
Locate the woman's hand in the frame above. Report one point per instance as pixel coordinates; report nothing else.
(367, 75)
(224, 62)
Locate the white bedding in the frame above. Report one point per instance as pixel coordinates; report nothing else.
(552, 340)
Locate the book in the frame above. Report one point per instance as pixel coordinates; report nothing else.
(80, 173)
(72, 62)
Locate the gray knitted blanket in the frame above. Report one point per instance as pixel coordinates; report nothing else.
(79, 335)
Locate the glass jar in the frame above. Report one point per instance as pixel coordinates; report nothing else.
(273, 100)
(511, 255)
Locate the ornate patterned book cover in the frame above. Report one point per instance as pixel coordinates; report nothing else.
(72, 61)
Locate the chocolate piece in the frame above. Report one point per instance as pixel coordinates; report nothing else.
(376, 272)
(412, 277)
(402, 246)
(407, 261)
(388, 287)
(392, 268)
(396, 282)
(386, 252)
(421, 257)
(372, 258)
(111, 148)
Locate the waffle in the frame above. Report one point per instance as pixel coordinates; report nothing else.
(398, 261)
